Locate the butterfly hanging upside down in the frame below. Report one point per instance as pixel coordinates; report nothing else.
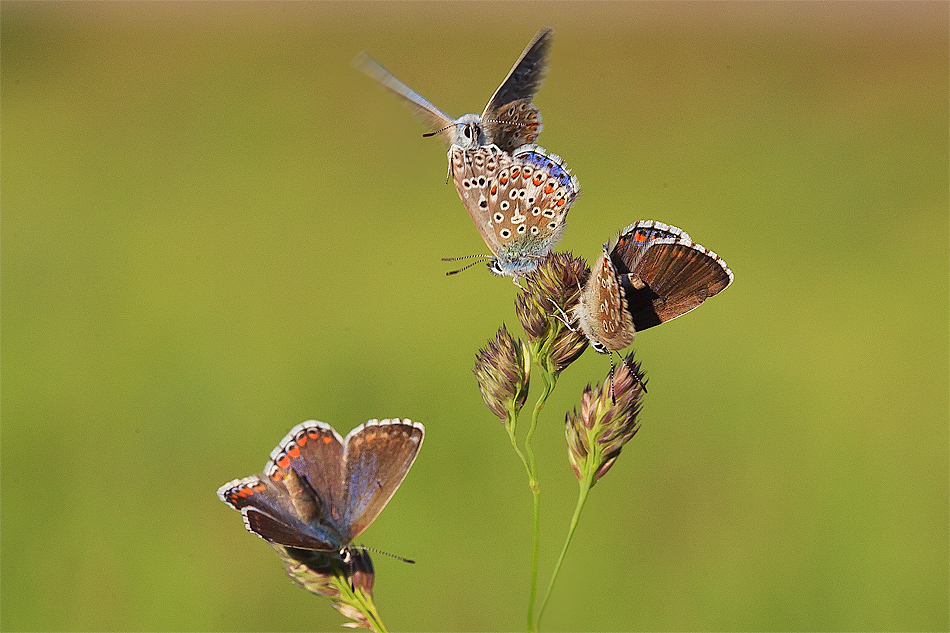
(518, 202)
(509, 120)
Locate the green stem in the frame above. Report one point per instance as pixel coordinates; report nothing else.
(549, 379)
(533, 591)
(511, 426)
(585, 486)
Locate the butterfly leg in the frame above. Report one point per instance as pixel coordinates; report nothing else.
(562, 317)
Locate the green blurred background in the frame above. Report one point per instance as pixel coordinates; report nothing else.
(213, 228)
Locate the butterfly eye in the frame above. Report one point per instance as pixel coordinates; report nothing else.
(467, 131)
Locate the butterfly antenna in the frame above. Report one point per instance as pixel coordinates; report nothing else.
(376, 551)
(456, 259)
(613, 399)
(465, 267)
(437, 132)
(639, 378)
(515, 123)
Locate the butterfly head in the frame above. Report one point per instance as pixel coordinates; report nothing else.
(517, 267)
(468, 132)
(598, 347)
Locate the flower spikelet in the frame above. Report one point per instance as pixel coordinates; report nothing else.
(550, 294)
(361, 580)
(348, 583)
(606, 421)
(311, 570)
(502, 370)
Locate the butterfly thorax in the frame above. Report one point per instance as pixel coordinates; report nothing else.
(522, 254)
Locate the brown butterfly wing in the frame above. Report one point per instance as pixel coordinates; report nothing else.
(513, 124)
(678, 275)
(525, 77)
(602, 311)
(528, 204)
(298, 499)
(377, 458)
(475, 172)
(630, 244)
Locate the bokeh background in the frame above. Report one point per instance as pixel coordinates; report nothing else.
(213, 228)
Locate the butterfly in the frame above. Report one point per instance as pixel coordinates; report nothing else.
(509, 120)
(519, 202)
(650, 274)
(319, 491)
